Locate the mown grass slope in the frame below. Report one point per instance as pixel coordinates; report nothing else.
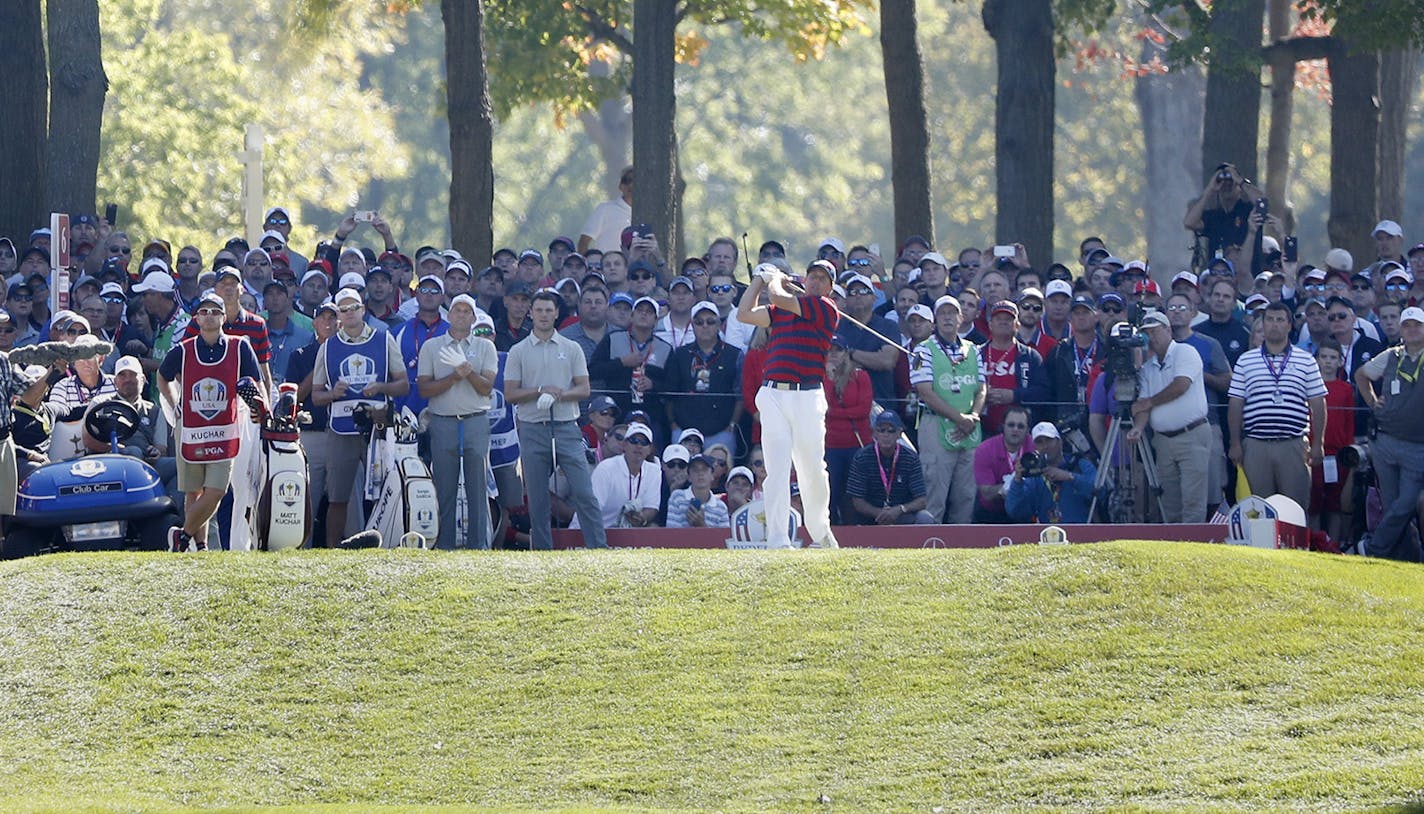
(1133, 676)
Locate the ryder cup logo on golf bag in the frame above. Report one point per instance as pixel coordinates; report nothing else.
(406, 502)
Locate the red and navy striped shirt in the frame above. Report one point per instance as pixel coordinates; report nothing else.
(247, 324)
(796, 351)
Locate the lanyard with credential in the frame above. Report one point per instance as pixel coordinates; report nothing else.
(1406, 375)
(879, 464)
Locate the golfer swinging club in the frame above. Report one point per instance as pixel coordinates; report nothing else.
(791, 402)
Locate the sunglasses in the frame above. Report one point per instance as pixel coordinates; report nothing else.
(638, 441)
(346, 309)
(120, 250)
(827, 253)
(1397, 286)
(483, 331)
(1034, 308)
(1107, 310)
(859, 291)
(428, 289)
(696, 271)
(1177, 307)
(278, 221)
(76, 331)
(1360, 287)
(189, 260)
(721, 289)
(708, 323)
(640, 276)
(22, 298)
(1341, 317)
(674, 464)
(863, 262)
(210, 312)
(113, 299)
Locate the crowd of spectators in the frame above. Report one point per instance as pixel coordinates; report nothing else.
(965, 386)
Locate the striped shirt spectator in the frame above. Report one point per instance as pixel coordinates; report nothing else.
(1275, 389)
(799, 354)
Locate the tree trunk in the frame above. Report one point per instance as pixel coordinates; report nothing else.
(1023, 123)
(76, 104)
(471, 130)
(1399, 72)
(24, 96)
(1170, 106)
(655, 121)
(1354, 140)
(610, 129)
(909, 124)
(1231, 122)
(1278, 138)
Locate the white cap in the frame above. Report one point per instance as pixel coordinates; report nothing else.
(690, 432)
(1058, 287)
(465, 299)
(128, 363)
(1398, 273)
(483, 318)
(1413, 312)
(933, 257)
(431, 278)
(953, 302)
(833, 242)
(1045, 429)
(1184, 277)
(154, 263)
(674, 452)
(920, 310)
(1269, 244)
(274, 234)
(460, 265)
(1155, 319)
(1135, 265)
(1338, 258)
(352, 279)
(315, 273)
(860, 279)
(639, 428)
(1389, 227)
(648, 300)
(742, 471)
(1030, 292)
(160, 281)
(1256, 301)
(705, 306)
(346, 294)
(274, 210)
(114, 288)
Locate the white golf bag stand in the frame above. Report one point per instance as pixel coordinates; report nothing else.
(281, 514)
(406, 512)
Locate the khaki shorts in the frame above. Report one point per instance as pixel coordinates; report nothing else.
(196, 477)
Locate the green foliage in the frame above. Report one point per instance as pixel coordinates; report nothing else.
(1122, 676)
(185, 79)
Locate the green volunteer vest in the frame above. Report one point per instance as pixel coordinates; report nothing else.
(946, 373)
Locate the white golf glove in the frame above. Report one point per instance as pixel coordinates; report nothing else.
(546, 401)
(766, 272)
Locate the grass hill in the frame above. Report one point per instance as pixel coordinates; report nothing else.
(1131, 676)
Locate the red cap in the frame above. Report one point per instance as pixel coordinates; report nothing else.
(1147, 287)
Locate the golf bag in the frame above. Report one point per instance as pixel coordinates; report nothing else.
(283, 517)
(406, 500)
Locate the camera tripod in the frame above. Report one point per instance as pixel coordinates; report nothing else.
(1123, 500)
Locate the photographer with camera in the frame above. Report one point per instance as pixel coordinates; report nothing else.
(1172, 400)
(1398, 449)
(1049, 486)
(1222, 213)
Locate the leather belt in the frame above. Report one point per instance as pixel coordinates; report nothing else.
(792, 385)
(1188, 428)
(464, 416)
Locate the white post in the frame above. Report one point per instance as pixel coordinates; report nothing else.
(252, 192)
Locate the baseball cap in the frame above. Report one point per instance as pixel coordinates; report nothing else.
(128, 363)
(154, 263)
(382, 270)
(531, 254)
(466, 299)
(315, 273)
(567, 241)
(565, 282)
(282, 210)
(1098, 254)
(1314, 274)
(352, 279)
(431, 278)
(210, 298)
(934, 257)
(922, 311)
(690, 432)
(1156, 319)
(1256, 301)
(741, 472)
(833, 242)
(1399, 274)
(888, 417)
(1389, 227)
(1045, 429)
(1030, 293)
(859, 279)
(113, 289)
(638, 428)
(274, 235)
(459, 266)
(1004, 307)
(680, 280)
(228, 271)
(1415, 249)
(1058, 287)
(1413, 313)
(1085, 301)
(1147, 287)
(620, 298)
(674, 452)
(645, 301)
(704, 460)
(483, 318)
(1184, 277)
(518, 288)
(953, 302)
(326, 305)
(346, 294)
(274, 283)
(1111, 296)
(705, 306)
(488, 270)
(823, 266)
(1340, 259)
(601, 403)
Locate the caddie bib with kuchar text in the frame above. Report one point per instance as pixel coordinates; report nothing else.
(208, 425)
(360, 364)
